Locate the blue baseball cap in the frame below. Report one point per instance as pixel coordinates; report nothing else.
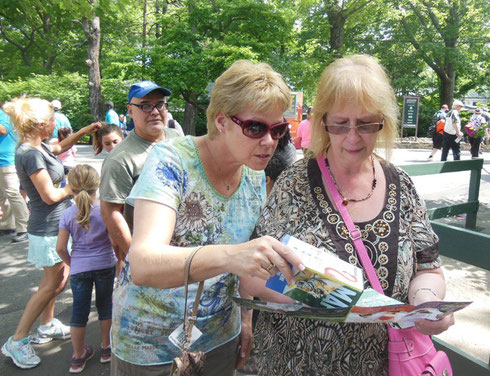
(140, 89)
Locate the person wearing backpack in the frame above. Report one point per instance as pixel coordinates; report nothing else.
(437, 130)
(452, 133)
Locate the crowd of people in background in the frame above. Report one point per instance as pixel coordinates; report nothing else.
(166, 196)
(448, 131)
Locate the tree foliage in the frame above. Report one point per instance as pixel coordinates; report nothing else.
(437, 49)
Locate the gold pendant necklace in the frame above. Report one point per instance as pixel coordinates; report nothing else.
(345, 200)
(228, 186)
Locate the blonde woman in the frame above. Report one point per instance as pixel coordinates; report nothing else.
(42, 176)
(355, 112)
(202, 191)
(91, 262)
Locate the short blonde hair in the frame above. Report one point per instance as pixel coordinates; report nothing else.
(246, 84)
(359, 79)
(28, 113)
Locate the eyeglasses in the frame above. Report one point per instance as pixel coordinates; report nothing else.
(148, 107)
(258, 129)
(362, 128)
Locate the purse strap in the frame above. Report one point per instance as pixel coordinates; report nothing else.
(189, 322)
(354, 233)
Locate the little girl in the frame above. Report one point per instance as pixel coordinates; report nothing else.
(68, 156)
(107, 137)
(92, 260)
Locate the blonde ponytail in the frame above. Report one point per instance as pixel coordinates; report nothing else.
(84, 181)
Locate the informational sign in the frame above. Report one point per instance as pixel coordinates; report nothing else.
(410, 112)
(291, 112)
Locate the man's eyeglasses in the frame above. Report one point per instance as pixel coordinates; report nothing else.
(258, 129)
(148, 107)
(362, 128)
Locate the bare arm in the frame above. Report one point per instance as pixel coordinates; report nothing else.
(155, 263)
(246, 335)
(62, 246)
(74, 138)
(49, 194)
(3, 130)
(112, 214)
(429, 285)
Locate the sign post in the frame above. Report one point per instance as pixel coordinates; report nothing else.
(410, 118)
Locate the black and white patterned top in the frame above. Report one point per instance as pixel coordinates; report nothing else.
(399, 240)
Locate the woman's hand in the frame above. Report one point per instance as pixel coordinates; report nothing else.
(435, 327)
(245, 338)
(262, 258)
(92, 128)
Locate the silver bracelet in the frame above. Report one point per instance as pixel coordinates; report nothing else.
(422, 288)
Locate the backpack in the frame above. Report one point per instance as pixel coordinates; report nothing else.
(431, 130)
(438, 116)
(440, 126)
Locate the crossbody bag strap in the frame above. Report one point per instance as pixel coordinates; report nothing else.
(189, 323)
(354, 233)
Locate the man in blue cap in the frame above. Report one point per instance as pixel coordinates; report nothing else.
(147, 106)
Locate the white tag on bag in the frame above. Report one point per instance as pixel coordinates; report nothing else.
(177, 337)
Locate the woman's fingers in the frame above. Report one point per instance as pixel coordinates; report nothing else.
(435, 327)
(93, 127)
(271, 255)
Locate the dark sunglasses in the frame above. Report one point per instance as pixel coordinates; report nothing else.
(148, 107)
(363, 128)
(258, 129)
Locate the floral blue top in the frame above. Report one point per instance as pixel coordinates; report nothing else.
(144, 317)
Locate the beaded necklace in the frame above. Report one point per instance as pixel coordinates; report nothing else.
(345, 201)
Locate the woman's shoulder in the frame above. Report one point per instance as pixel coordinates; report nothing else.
(180, 150)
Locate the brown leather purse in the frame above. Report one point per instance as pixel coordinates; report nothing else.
(189, 363)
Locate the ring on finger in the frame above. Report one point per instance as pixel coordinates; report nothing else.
(270, 267)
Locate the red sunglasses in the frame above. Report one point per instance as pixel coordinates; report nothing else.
(258, 129)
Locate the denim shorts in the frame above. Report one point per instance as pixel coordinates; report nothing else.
(81, 286)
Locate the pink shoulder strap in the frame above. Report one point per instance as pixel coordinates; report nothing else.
(354, 233)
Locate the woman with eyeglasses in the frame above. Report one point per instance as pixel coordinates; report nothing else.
(355, 112)
(203, 192)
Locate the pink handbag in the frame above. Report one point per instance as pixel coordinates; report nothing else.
(410, 352)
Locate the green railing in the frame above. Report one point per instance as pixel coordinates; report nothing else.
(454, 243)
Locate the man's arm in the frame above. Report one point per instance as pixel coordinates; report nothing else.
(112, 214)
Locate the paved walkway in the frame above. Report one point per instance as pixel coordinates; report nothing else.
(19, 280)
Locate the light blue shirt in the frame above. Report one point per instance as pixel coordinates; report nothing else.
(144, 317)
(7, 142)
(61, 122)
(111, 117)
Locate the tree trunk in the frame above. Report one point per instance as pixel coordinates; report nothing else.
(190, 115)
(447, 88)
(92, 33)
(143, 38)
(336, 19)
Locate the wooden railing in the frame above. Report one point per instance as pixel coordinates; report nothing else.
(463, 244)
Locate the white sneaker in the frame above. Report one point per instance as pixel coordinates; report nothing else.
(21, 352)
(429, 158)
(55, 331)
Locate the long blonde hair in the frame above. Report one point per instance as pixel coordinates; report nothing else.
(28, 113)
(359, 79)
(84, 181)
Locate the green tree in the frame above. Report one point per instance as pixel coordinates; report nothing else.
(444, 34)
(200, 39)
